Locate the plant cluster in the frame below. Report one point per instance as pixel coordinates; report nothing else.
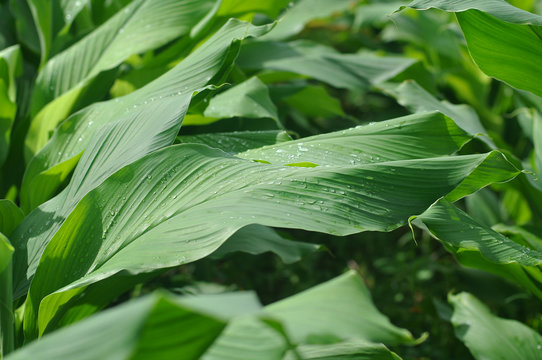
(164, 161)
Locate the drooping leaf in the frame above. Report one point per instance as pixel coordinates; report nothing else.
(494, 30)
(140, 26)
(350, 71)
(497, 8)
(257, 239)
(453, 226)
(157, 327)
(478, 246)
(180, 187)
(239, 141)
(417, 99)
(490, 337)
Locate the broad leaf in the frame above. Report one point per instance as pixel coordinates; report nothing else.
(140, 26)
(10, 69)
(10, 216)
(417, 99)
(157, 327)
(257, 239)
(340, 309)
(52, 165)
(152, 117)
(478, 246)
(7, 338)
(497, 8)
(350, 71)
(302, 12)
(315, 101)
(232, 8)
(180, 187)
(490, 337)
(358, 350)
(494, 29)
(250, 99)
(236, 142)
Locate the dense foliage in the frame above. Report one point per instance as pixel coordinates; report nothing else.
(357, 180)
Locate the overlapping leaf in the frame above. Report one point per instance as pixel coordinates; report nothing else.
(350, 71)
(330, 313)
(157, 327)
(140, 26)
(151, 116)
(179, 188)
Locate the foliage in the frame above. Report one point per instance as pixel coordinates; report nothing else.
(159, 158)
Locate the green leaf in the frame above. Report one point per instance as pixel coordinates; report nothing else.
(238, 141)
(490, 337)
(374, 13)
(340, 309)
(179, 188)
(140, 26)
(231, 8)
(6, 252)
(415, 98)
(50, 167)
(10, 69)
(453, 226)
(250, 99)
(411, 137)
(503, 40)
(157, 327)
(257, 239)
(497, 8)
(358, 350)
(350, 71)
(7, 328)
(10, 216)
(301, 13)
(151, 116)
(478, 246)
(315, 101)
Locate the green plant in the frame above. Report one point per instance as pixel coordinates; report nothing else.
(104, 193)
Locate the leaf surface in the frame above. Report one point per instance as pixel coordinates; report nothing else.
(490, 337)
